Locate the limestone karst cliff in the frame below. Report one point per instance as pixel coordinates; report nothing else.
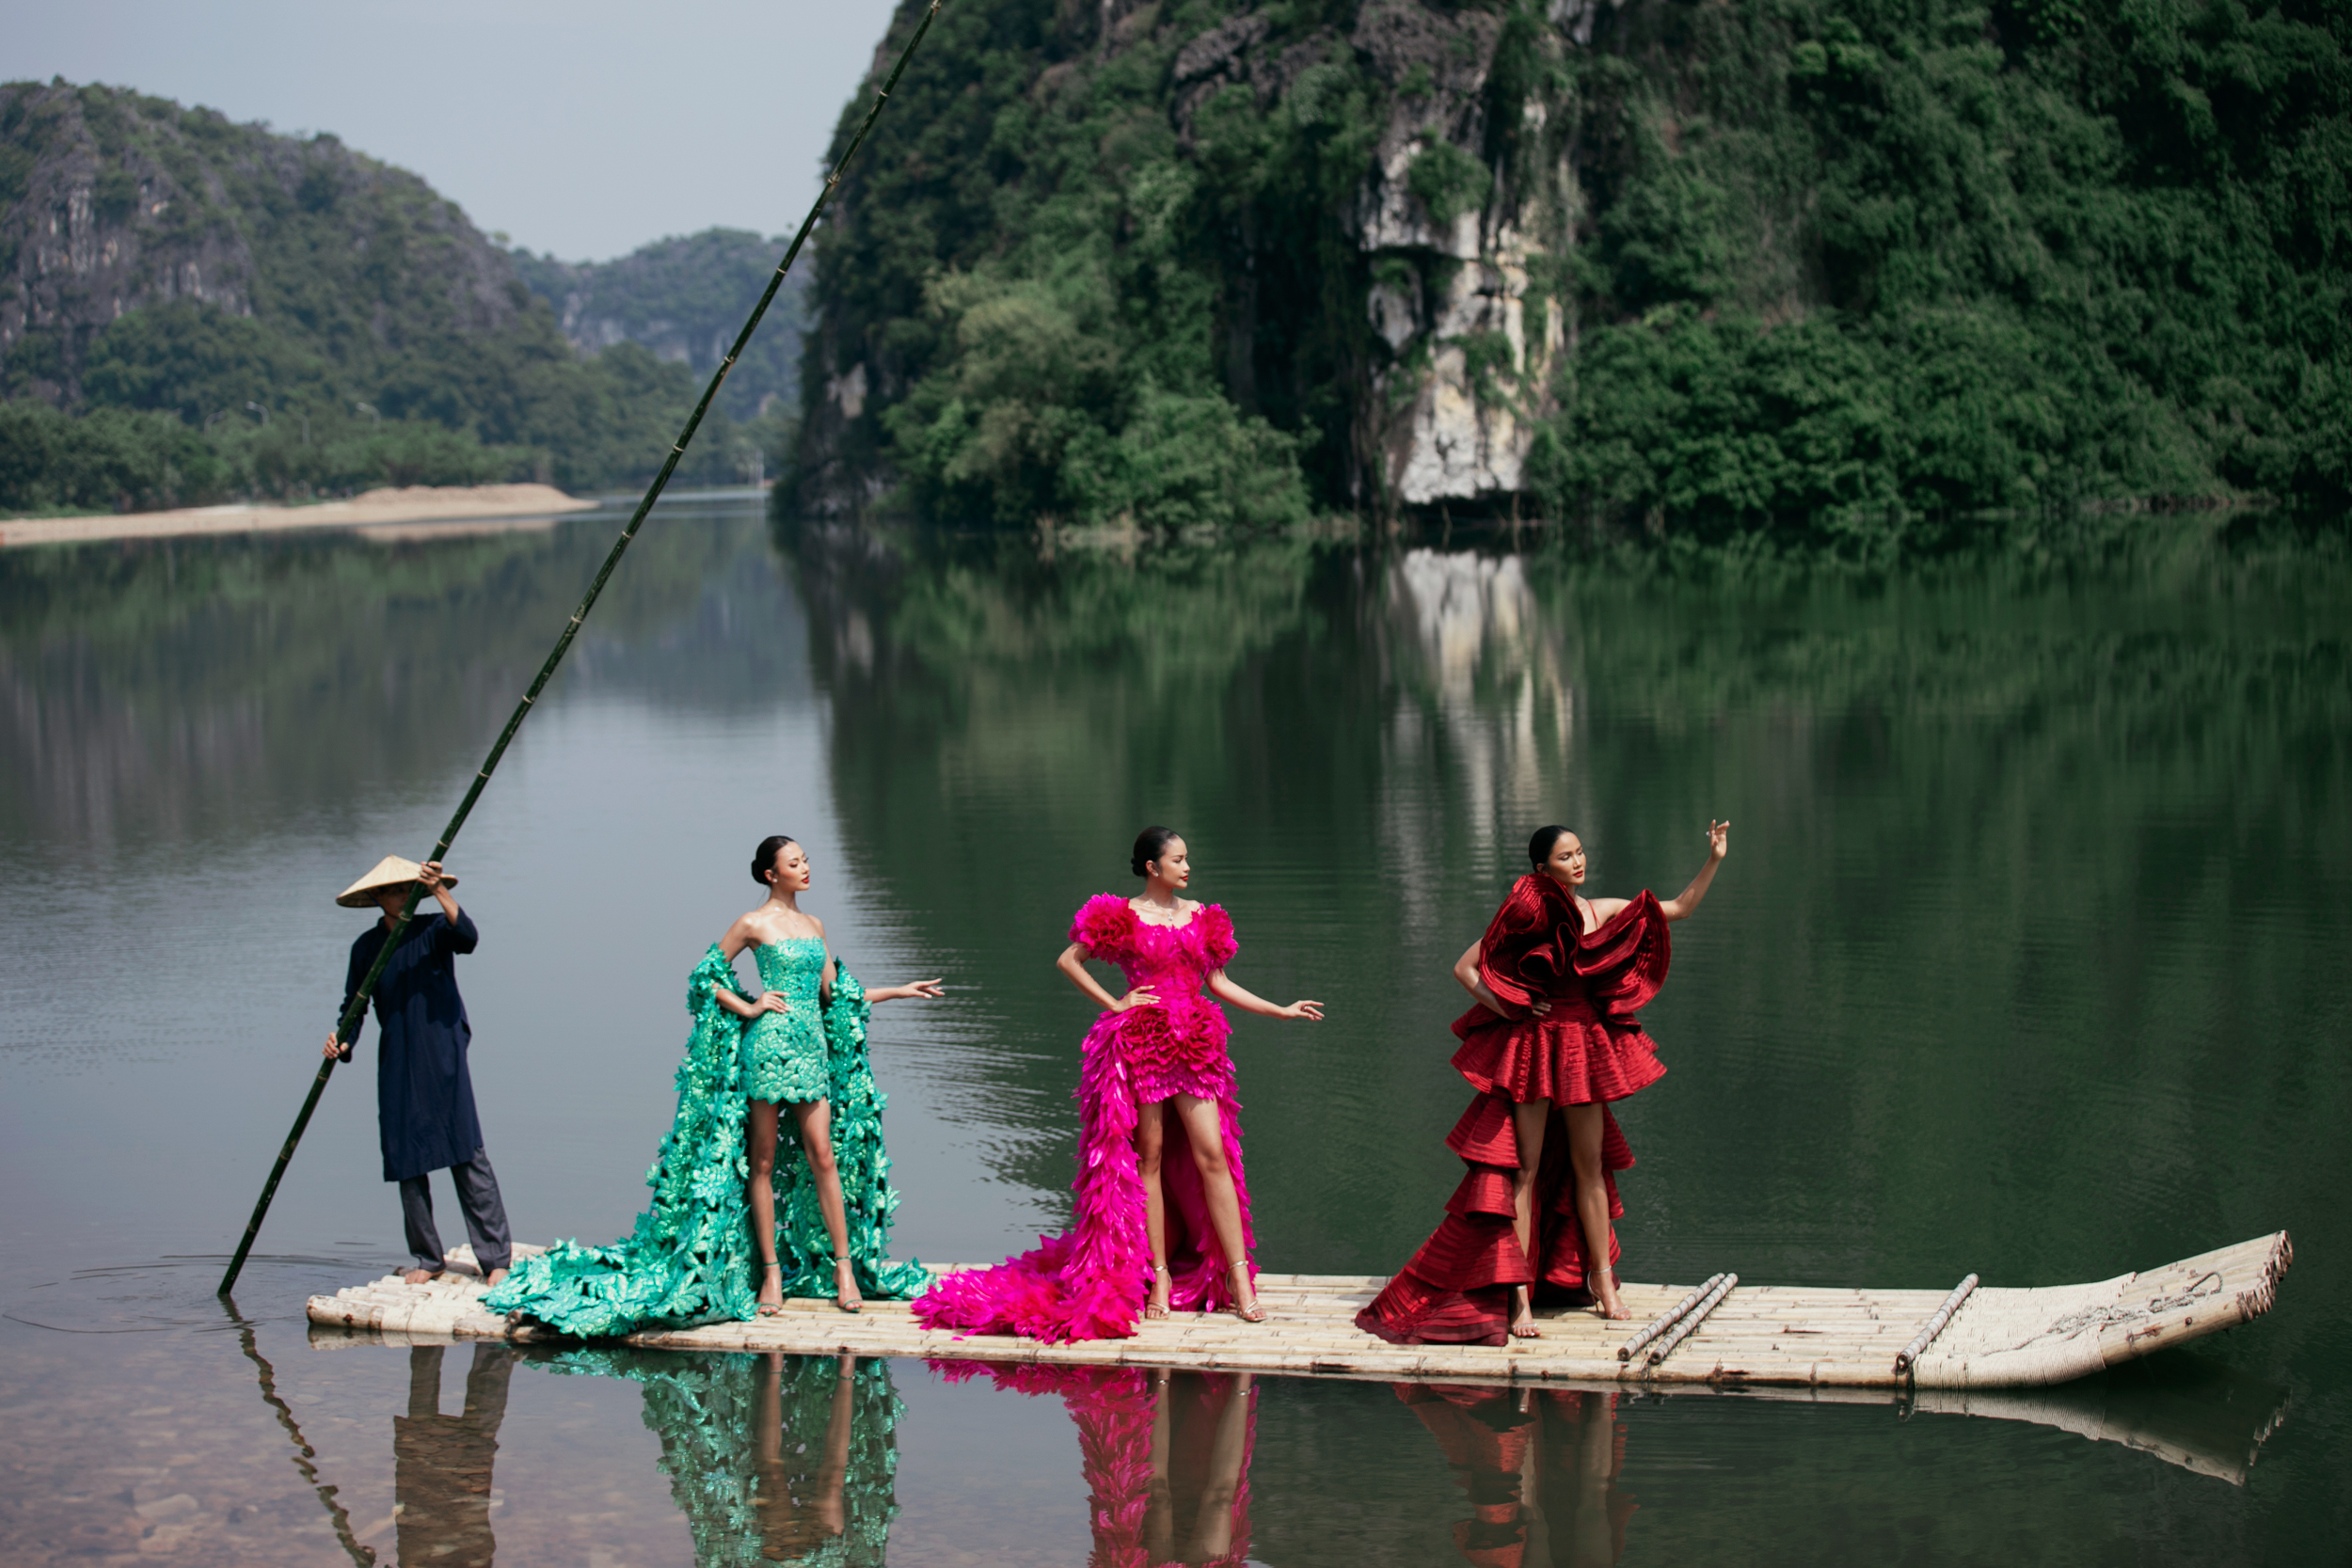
(1344, 221)
(1854, 273)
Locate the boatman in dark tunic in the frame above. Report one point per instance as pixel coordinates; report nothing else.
(424, 1094)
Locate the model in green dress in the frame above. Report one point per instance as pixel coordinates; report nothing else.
(825, 1220)
(699, 1251)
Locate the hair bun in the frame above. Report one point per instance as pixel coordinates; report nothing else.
(1149, 844)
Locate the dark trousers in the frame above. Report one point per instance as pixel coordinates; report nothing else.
(484, 1210)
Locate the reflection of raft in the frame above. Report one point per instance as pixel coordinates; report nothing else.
(1995, 1338)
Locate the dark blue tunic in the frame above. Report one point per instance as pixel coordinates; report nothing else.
(423, 1095)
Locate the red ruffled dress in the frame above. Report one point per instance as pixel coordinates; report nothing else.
(1588, 1048)
(1090, 1281)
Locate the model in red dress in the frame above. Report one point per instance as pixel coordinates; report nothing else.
(1558, 978)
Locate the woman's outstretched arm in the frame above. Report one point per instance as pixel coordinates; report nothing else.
(913, 988)
(1224, 989)
(1682, 904)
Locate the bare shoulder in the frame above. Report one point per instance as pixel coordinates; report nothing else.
(1606, 910)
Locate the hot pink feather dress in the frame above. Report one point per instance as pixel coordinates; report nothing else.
(1090, 1281)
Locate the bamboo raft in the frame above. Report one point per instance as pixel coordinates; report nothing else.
(1723, 1332)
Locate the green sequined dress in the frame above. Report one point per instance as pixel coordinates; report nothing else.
(689, 1257)
(745, 1441)
(784, 1053)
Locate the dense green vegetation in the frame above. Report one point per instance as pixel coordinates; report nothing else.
(1847, 273)
(1860, 267)
(297, 320)
(685, 297)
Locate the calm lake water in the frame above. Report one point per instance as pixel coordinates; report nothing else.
(2029, 961)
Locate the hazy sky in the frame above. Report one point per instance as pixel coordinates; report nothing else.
(584, 128)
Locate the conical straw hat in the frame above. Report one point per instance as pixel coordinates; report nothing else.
(391, 871)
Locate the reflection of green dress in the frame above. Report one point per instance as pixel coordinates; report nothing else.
(784, 1053)
(743, 1513)
(690, 1259)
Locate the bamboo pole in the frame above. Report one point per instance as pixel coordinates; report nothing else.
(348, 1023)
(1690, 1321)
(1933, 1326)
(1666, 1320)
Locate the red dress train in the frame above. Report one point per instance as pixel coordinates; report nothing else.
(1588, 1048)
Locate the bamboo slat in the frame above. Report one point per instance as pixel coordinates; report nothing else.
(1802, 1339)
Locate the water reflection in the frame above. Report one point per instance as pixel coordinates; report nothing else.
(442, 1464)
(1166, 1455)
(770, 1458)
(1539, 1467)
(305, 1456)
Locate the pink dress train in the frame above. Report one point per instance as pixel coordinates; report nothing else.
(1090, 1281)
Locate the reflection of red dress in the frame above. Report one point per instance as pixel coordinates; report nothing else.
(1088, 1282)
(1588, 1048)
(1530, 1462)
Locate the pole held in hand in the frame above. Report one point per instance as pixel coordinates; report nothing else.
(356, 1009)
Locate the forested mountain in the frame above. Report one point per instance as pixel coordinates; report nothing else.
(685, 299)
(191, 308)
(1849, 272)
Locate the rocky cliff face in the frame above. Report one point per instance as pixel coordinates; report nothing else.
(1376, 196)
(110, 200)
(1448, 226)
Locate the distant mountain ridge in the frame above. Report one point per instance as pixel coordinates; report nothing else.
(684, 298)
(192, 309)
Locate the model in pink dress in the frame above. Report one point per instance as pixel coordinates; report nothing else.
(1163, 1209)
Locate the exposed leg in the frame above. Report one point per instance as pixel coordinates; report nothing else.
(1528, 1120)
(416, 1217)
(1591, 1207)
(815, 1121)
(1150, 1129)
(832, 1470)
(761, 1191)
(1159, 1508)
(1213, 1525)
(1206, 1134)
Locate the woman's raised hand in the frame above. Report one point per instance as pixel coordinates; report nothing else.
(1718, 838)
(1303, 1010)
(1142, 996)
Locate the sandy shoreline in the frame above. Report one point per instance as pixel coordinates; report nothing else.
(418, 503)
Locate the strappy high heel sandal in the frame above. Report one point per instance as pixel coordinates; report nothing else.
(845, 1288)
(770, 1309)
(1600, 1310)
(1157, 1311)
(1253, 1312)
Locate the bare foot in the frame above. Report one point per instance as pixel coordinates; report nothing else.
(419, 1277)
(770, 1290)
(846, 1293)
(1524, 1315)
(1605, 1302)
(1155, 1305)
(495, 1277)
